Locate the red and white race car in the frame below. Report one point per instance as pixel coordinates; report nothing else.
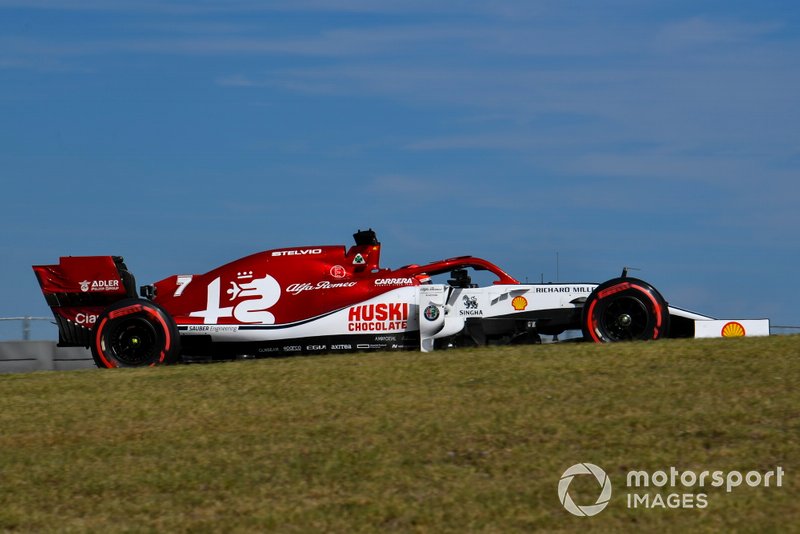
(323, 299)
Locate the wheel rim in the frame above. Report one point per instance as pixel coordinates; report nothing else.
(133, 342)
(625, 318)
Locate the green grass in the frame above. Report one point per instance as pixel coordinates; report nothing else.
(456, 441)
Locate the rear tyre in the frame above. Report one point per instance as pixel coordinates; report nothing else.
(135, 333)
(625, 309)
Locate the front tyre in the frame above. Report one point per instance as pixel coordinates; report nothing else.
(625, 309)
(135, 333)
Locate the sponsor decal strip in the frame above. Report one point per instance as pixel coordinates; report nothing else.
(378, 317)
(99, 286)
(296, 289)
(394, 281)
(299, 252)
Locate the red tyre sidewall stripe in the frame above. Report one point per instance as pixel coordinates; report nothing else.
(613, 289)
(167, 337)
(591, 326)
(656, 306)
(98, 345)
(127, 310)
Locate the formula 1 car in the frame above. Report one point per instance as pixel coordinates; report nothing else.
(319, 299)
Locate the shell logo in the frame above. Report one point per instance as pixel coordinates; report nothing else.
(733, 329)
(519, 303)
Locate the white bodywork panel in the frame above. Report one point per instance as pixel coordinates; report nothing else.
(679, 312)
(439, 311)
(443, 310)
(705, 326)
(731, 328)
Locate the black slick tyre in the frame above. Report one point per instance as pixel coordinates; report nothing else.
(625, 309)
(135, 333)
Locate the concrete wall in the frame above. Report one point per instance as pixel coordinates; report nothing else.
(26, 356)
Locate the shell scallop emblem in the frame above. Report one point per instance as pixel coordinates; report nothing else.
(519, 303)
(733, 329)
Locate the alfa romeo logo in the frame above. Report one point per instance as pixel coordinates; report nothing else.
(431, 313)
(566, 480)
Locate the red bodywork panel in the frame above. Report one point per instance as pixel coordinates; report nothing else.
(276, 287)
(78, 289)
(81, 274)
(287, 286)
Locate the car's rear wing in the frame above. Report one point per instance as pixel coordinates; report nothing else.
(79, 288)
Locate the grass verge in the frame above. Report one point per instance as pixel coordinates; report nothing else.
(467, 440)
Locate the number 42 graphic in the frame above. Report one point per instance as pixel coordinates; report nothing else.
(260, 294)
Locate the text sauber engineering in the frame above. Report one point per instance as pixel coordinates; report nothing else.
(309, 300)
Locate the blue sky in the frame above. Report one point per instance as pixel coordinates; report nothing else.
(181, 135)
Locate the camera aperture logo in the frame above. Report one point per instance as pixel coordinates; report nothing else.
(566, 499)
(692, 493)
